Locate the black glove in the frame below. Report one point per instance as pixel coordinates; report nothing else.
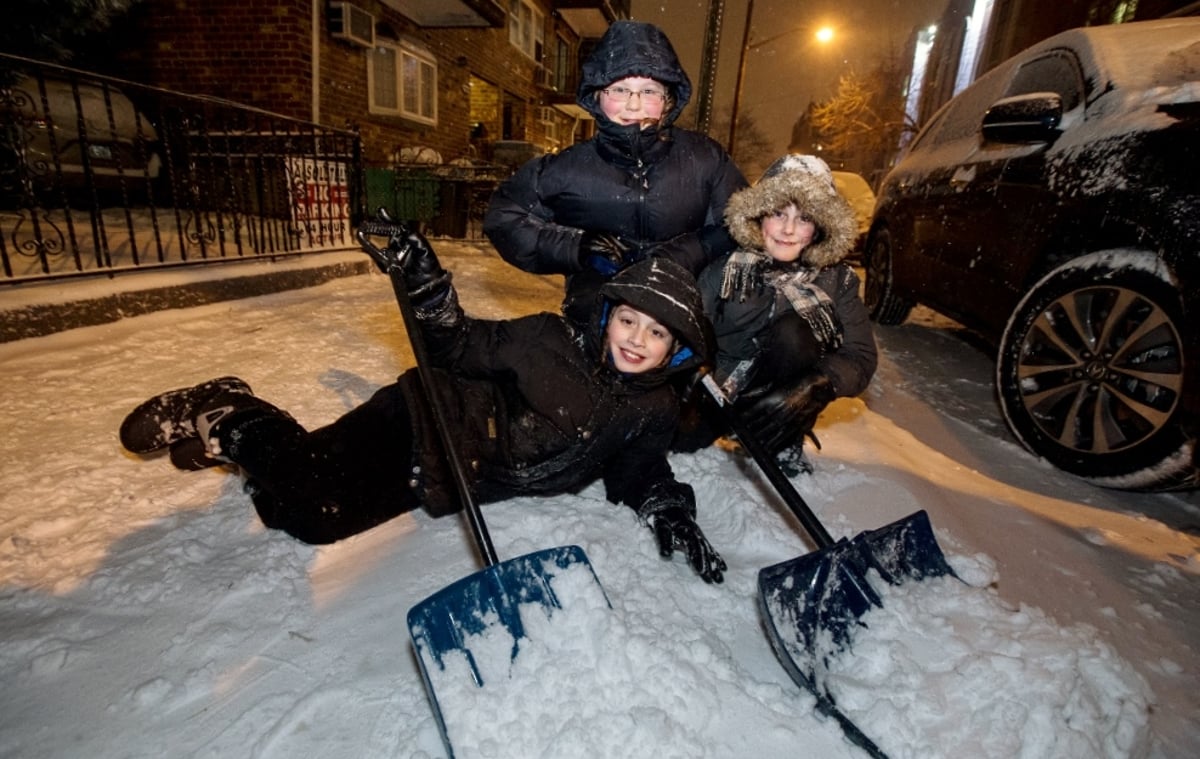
(427, 281)
(674, 528)
(669, 509)
(679, 250)
(602, 252)
(785, 415)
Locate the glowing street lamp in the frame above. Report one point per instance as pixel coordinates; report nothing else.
(824, 35)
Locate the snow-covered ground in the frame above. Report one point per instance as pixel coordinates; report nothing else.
(145, 612)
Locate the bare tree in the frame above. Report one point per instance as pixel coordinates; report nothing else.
(753, 151)
(56, 31)
(861, 125)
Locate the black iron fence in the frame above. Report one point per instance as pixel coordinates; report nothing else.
(99, 175)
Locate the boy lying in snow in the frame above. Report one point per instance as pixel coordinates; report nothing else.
(537, 407)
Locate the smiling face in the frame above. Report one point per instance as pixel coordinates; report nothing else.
(627, 101)
(786, 233)
(636, 341)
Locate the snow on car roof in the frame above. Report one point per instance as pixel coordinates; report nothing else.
(1161, 53)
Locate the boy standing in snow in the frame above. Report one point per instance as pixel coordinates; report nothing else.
(537, 406)
(641, 187)
(792, 332)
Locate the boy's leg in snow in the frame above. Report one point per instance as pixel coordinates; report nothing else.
(333, 482)
(320, 486)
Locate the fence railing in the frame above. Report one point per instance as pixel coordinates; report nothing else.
(444, 200)
(99, 175)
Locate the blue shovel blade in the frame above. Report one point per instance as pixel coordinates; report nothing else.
(813, 604)
(442, 624)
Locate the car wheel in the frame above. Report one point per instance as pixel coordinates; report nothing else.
(883, 305)
(1091, 370)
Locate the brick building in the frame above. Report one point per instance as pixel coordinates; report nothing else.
(491, 80)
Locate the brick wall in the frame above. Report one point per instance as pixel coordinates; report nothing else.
(259, 52)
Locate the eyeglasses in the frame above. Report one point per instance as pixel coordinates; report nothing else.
(621, 94)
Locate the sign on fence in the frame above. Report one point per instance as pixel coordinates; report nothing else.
(320, 195)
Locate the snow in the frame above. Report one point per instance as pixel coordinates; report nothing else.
(145, 612)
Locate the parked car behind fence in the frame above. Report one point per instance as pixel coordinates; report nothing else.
(99, 175)
(76, 136)
(1053, 207)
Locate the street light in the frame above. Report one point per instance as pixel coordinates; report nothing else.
(823, 34)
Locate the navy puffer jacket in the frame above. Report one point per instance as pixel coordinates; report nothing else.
(658, 188)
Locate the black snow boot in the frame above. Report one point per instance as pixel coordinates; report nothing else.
(171, 417)
(191, 454)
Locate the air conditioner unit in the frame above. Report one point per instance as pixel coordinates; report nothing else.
(545, 114)
(543, 77)
(351, 23)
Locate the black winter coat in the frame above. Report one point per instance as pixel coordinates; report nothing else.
(740, 327)
(661, 184)
(535, 409)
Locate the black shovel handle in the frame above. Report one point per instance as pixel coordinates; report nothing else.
(766, 462)
(391, 260)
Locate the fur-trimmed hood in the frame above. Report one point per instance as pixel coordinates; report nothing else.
(806, 181)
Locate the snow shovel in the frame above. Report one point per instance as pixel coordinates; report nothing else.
(442, 625)
(819, 598)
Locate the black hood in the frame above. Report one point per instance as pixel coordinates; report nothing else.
(668, 292)
(633, 48)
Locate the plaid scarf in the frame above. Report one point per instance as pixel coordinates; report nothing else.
(747, 272)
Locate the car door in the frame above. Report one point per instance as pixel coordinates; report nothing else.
(1028, 208)
(955, 219)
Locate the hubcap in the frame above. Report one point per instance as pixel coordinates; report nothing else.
(1101, 369)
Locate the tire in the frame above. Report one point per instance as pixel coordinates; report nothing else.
(883, 305)
(1091, 370)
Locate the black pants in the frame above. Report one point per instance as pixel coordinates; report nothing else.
(330, 483)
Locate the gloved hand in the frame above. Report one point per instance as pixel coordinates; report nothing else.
(602, 252)
(426, 279)
(674, 528)
(680, 250)
(785, 415)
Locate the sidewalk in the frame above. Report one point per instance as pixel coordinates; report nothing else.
(44, 308)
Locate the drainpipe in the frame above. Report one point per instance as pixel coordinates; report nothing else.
(317, 6)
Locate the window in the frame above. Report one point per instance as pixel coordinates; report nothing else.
(1056, 72)
(402, 81)
(562, 65)
(526, 28)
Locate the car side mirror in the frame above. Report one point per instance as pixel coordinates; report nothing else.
(1024, 118)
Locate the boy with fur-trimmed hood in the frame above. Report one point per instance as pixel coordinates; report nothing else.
(792, 332)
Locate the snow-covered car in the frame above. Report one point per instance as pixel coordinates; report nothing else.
(71, 133)
(861, 198)
(1052, 206)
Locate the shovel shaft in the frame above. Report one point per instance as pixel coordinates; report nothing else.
(766, 462)
(412, 326)
(391, 261)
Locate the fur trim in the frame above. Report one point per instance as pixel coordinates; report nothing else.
(813, 195)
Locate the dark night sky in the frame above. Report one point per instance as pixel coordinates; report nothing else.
(784, 74)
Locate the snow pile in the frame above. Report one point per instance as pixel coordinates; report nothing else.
(954, 672)
(146, 612)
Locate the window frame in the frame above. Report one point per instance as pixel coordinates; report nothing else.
(409, 105)
(527, 29)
